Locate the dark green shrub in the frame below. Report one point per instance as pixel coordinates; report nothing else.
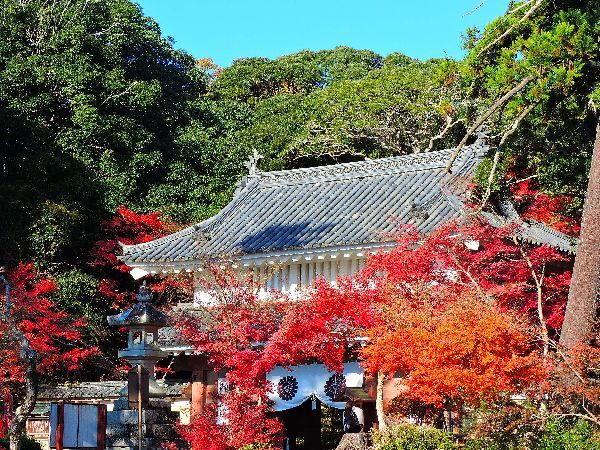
(26, 444)
(484, 444)
(563, 435)
(412, 437)
(257, 447)
(555, 434)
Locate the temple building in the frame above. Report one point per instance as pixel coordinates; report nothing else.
(290, 227)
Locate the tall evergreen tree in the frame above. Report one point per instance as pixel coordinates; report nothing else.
(584, 293)
(92, 98)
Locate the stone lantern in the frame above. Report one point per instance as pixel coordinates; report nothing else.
(142, 321)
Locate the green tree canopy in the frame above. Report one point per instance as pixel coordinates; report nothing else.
(313, 108)
(91, 101)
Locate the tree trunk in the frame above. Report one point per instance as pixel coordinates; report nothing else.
(580, 315)
(19, 421)
(14, 441)
(379, 401)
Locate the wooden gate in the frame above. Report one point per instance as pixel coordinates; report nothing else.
(76, 426)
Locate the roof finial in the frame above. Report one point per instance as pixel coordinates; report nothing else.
(144, 294)
(252, 163)
(482, 135)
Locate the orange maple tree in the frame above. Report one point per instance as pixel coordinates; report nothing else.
(456, 349)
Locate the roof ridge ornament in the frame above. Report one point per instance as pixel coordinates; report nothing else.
(481, 146)
(483, 133)
(252, 163)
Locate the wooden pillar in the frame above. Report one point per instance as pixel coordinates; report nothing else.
(333, 271)
(285, 278)
(198, 393)
(276, 278)
(327, 270)
(304, 278)
(318, 269)
(211, 392)
(101, 438)
(60, 426)
(354, 267)
(261, 278)
(345, 267)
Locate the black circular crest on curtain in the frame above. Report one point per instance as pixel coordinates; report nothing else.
(287, 388)
(335, 386)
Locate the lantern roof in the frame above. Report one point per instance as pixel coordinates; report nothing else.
(142, 312)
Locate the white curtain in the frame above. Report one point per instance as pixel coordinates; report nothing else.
(292, 387)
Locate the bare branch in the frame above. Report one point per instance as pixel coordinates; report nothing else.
(510, 29)
(516, 124)
(539, 281)
(475, 9)
(591, 418)
(484, 296)
(449, 125)
(568, 363)
(505, 136)
(488, 189)
(523, 179)
(521, 6)
(120, 93)
(483, 117)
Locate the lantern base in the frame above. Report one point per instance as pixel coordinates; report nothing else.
(158, 426)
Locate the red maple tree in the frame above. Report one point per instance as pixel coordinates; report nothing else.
(232, 333)
(52, 334)
(126, 227)
(551, 210)
(492, 263)
(325, 325)
(37, 340)
(246, 337)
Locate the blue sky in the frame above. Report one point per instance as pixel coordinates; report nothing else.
(229, 29)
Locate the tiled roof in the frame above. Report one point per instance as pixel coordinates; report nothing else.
(170, 338)
(530, 230)
(338, 205)
(101, 390)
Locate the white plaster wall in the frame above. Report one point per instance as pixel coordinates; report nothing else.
(290, 277)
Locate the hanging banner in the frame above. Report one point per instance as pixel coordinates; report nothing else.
(292, 387)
